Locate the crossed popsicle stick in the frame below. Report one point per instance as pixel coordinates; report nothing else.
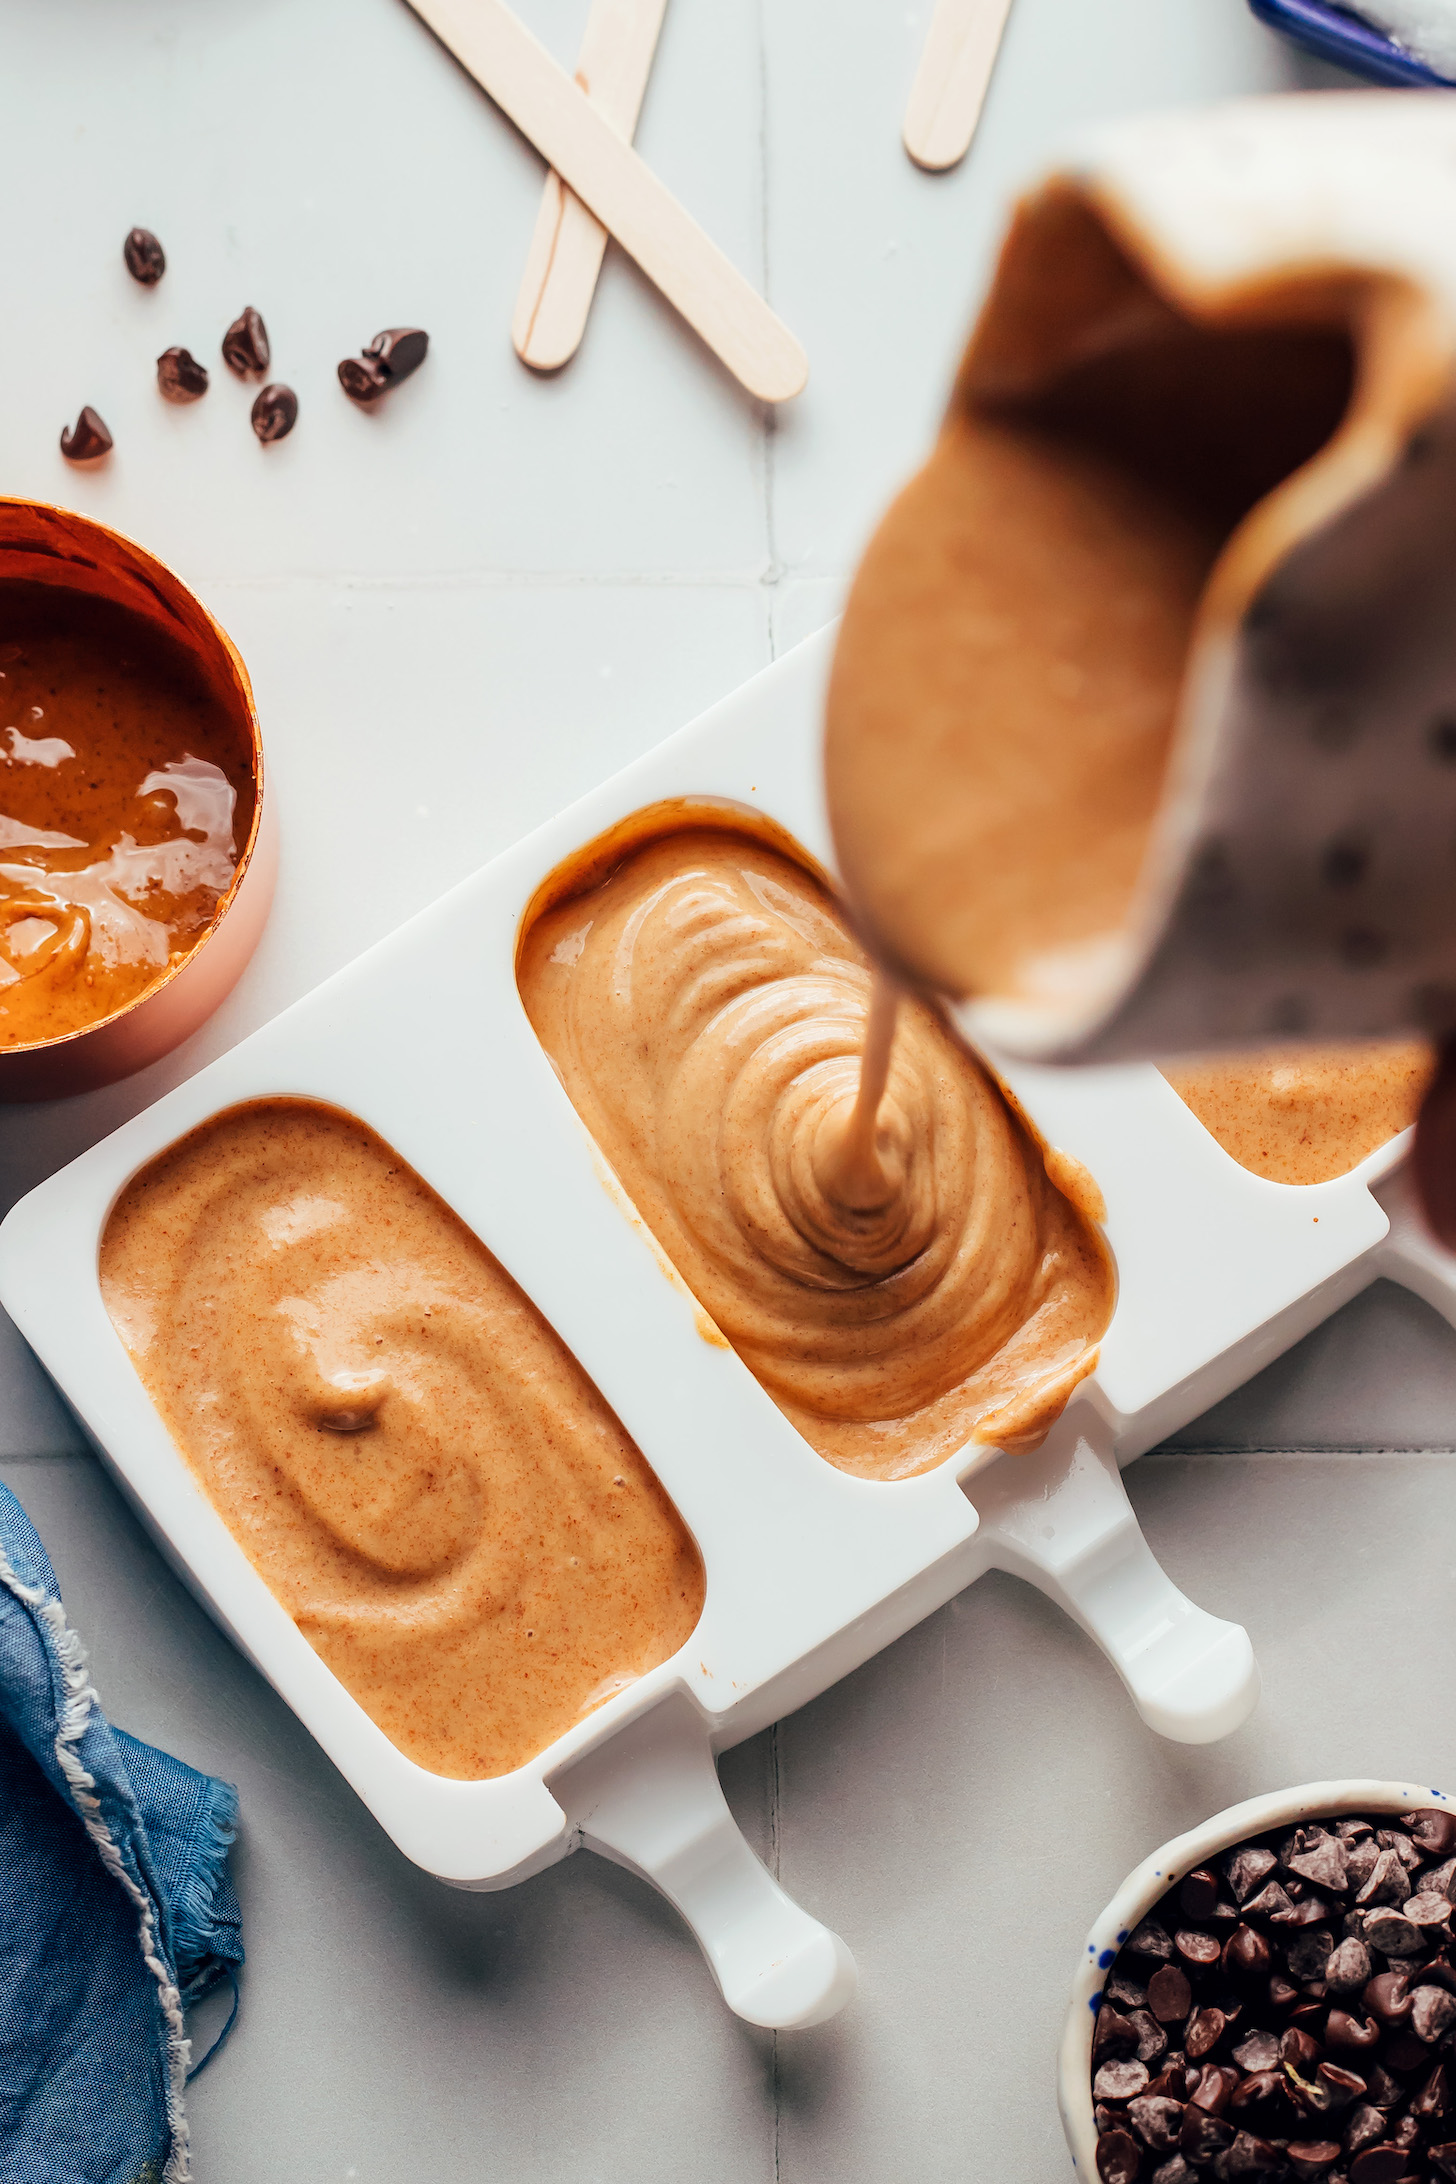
(581, 140)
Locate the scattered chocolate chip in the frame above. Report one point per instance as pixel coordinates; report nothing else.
(389, 358)
(1150, 1940)
(146, 261)
(1364, 1856)
(1334, 2088)
(1307, 1951)
(1428, 1909)
(1121, 2081)
(1409, 1853)
(1299, 2050)
(1433, 2012)
(1214, 2089)
(1112, 2034)
(1246, 1954)
(180, 376)
(1441, 1880)
(1309, 1910)
(1118, 2159)
(1282, 1995)
(1152, 2041)
(1387, 1881)
(1259, 2052)
(275, 413)
(1204, 2137)
(1387, 1996)
(1129, 1994)
(1348, 1968)
(1383, 2089)
(245, 344)
(1433, 2097)
(87, 439)
(1175, 2171)
(1170, 1997)
(1443, 2158)
(1196, 1948)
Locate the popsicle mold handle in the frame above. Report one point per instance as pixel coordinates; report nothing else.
(650, 1800)
(1061, 1519)
(1410, 1254)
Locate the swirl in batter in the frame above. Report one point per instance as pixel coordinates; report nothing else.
(406, 1453)
(706, 1010)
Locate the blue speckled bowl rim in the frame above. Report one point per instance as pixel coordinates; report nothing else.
(1141, 1890)
(1337, 35)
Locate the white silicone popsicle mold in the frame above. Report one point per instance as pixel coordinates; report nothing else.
(809, 1571)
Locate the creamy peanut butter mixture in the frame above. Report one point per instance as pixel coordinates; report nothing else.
(1307, 1114)
(898, 1293)
(1009, 674)
(126, 797)
(417, 1468)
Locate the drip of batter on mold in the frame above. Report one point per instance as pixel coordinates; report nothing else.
(126, 795)
(898, 1269)
(407, 1454)
(1307, 1114)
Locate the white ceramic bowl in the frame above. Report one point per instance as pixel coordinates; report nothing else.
(1152, 1879)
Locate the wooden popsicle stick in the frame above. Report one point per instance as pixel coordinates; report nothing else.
(566, 251)
(952, 80)
(493, 46)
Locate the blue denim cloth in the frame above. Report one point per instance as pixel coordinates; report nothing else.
(116, 1907)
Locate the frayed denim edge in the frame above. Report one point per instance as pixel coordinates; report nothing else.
(81, 1695)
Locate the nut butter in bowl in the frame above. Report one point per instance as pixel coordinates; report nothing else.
(136, 858)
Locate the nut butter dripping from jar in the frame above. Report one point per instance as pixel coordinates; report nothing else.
(125, 792)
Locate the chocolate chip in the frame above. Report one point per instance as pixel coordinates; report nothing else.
(1195, 1948)
(1392, 1933)
(1441, 1880)
(1152, 2041)
(389, 358)
(245, 346)
(1247, 1868)
(1249, 2156)
(1433, 2012)
(1281, 1993)
(1263, 2098)
(1214, 2089)
(1308, 1952)
(1362, 1861)
(1204, 2136)
(1409, 1854)
(1175, 2171)
(1113, 2034)
(1131, 1994)
(1444, 2158)
(1379, 2165)
(87, 439)
(1205, 2030)
(1157, 2122)
(1310, 2158)
(1433, 2098)
(1199, 1894)
(1150, 1940)
(1118, 2159)
(1428, 1909)
(1334, 2088)
(275, 413)
(146, 261)
(1387, 1881)
(1309, 1910)
(180, 376)
(1299, 2050)
(1319, 1857)
(1387, 1996)
(1245, 1954)
(1269, 1903)
(1170, 1997)
(1383, 2089)
(1433, 1831)
(1366, 2127)
(1348, 1968)
(1351, 2035)
(1260, 2051)
(1121, 2081)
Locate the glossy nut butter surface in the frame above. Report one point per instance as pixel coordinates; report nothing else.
(706, 1009)
(416, 1466)
(130, 806)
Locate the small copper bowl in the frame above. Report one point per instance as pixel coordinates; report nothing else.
(53, 546)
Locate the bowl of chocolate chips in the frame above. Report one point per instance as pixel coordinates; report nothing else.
(1273, 1995)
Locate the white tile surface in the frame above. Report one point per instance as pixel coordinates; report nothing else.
(459, 612)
